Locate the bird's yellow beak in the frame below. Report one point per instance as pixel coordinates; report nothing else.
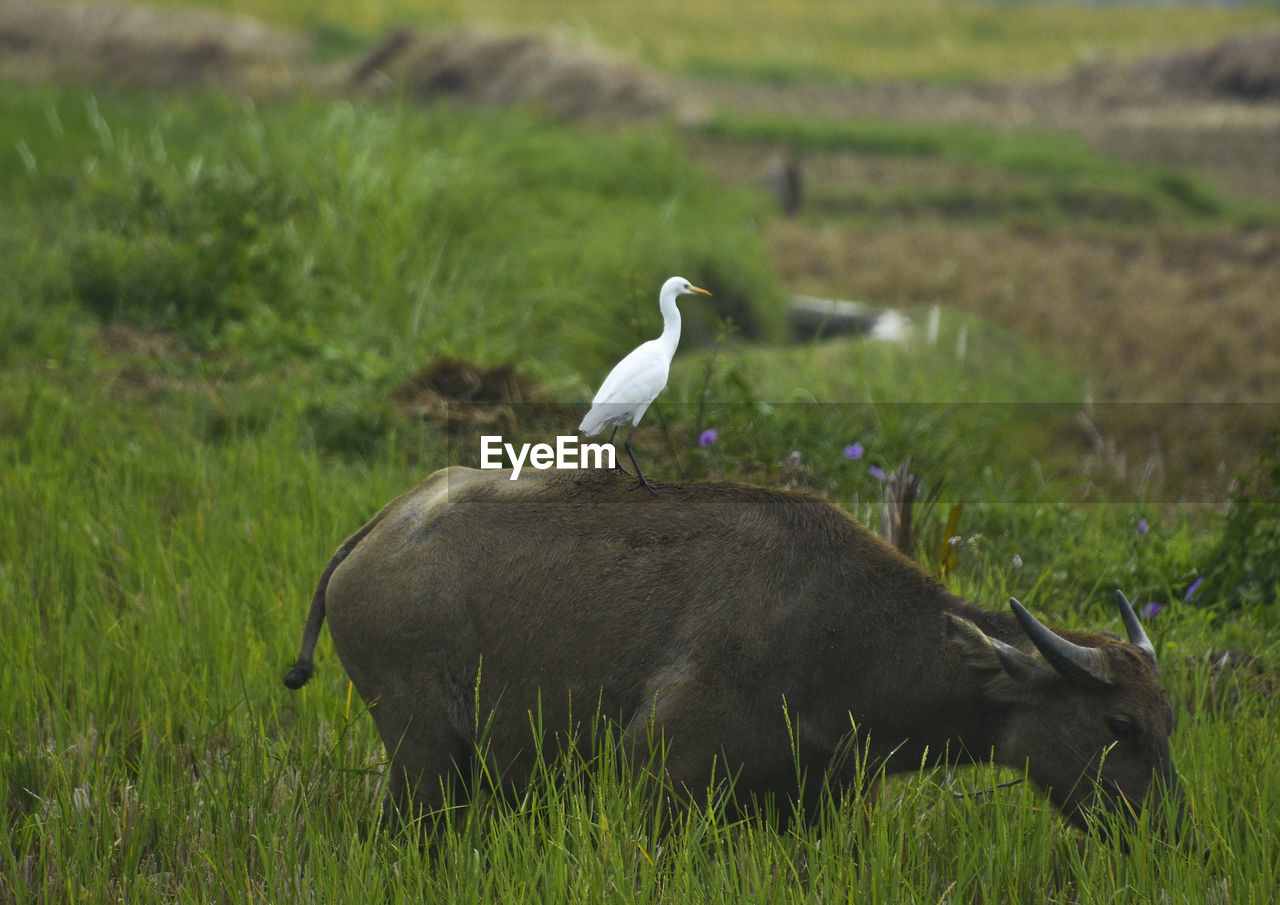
(699, 291)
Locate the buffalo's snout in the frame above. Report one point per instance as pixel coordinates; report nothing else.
(1164, 815)
(1173, 816)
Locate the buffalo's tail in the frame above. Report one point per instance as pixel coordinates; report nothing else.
(303, 668)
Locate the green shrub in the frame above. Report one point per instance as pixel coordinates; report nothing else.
(189, 254)
(1244, 570)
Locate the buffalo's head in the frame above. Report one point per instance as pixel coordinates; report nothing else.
(1088, 718)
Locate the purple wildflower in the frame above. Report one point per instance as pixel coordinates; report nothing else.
(877, 472)
(1143, 528)
(708, 436)
(853, 451)
(1193, 590)
(1150, 610)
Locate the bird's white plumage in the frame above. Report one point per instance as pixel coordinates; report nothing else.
(630, 387)
(637, 380)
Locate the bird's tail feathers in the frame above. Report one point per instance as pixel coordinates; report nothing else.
(592, 424)
(602, 415)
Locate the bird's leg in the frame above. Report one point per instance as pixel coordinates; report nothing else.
(617, 469)
(642, 480)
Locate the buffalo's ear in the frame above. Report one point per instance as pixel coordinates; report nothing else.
(1013, 673)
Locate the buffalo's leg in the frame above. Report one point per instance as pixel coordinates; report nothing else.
(429, 761)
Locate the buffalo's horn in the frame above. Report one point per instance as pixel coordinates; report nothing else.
(1085, 665)
(1133, 627)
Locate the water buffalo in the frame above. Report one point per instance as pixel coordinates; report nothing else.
(698, 614)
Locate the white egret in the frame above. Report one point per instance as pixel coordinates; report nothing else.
(637, 380)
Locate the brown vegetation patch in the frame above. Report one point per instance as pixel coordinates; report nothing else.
(462, 397)
(506, 70)
(136, 342)
(1159, 316)
(133, 46)
(136, 352)
(1244, 67)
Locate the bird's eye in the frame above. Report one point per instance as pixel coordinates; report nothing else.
(1120, 727)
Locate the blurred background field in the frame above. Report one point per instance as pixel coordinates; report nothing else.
(259, 275)
(873, 40)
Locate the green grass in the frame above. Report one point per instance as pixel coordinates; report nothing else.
(781, 40)
(153, 590)
(164, 514)
(409, 230)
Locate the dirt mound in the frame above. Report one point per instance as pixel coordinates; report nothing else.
(531, 70)
(144, 47)
(462, 396)
(1245, 68)
(466, 399)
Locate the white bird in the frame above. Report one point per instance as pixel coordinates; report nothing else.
(637, 380)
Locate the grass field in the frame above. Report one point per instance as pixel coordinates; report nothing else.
(206, 309)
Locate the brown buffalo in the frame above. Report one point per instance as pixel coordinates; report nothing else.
(698, 614)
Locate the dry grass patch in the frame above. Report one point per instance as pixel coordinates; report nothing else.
(1179, 325)
(1160, 316)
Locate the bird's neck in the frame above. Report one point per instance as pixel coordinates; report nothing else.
(670, 337)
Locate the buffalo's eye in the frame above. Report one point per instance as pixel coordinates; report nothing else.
(1121, 727)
